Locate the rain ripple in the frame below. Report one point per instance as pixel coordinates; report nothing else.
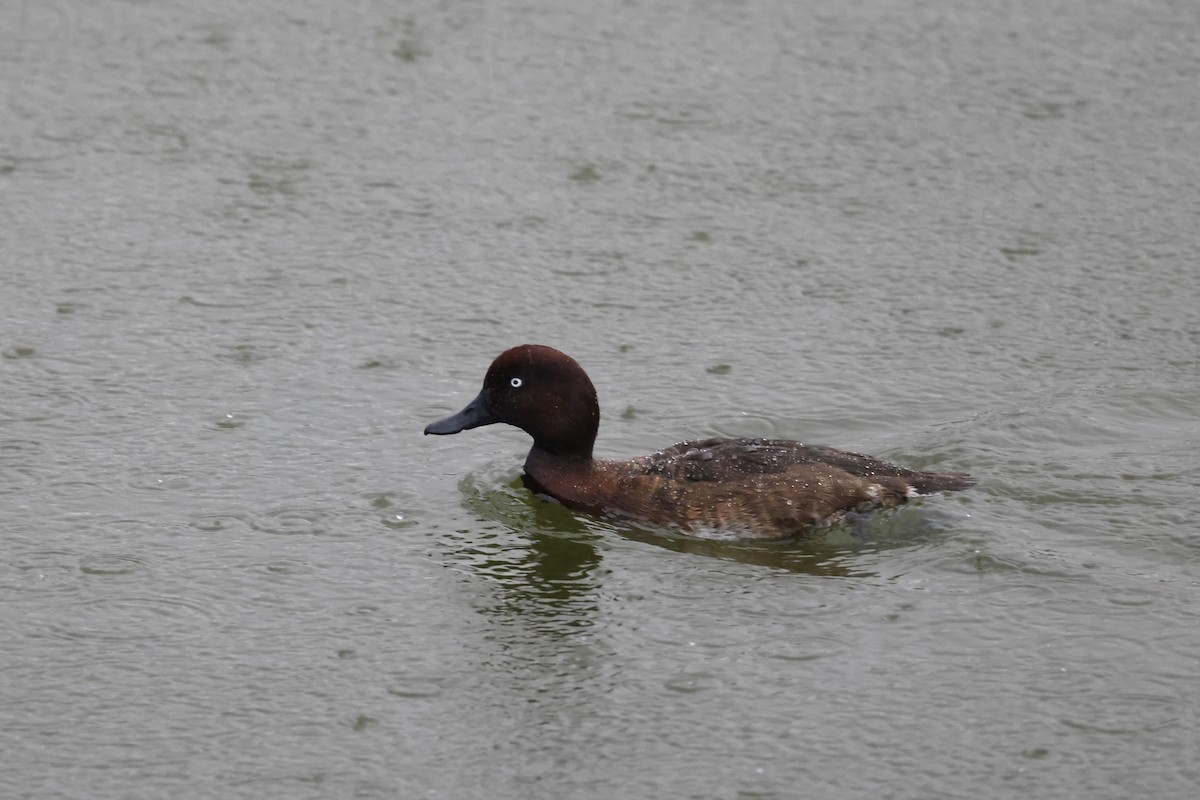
(129, 618)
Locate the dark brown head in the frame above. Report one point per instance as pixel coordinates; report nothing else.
(539, 390)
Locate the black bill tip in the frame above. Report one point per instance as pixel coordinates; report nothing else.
(478, 412)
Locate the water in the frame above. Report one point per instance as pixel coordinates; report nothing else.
(249, 251)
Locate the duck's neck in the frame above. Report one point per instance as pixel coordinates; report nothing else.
(569, 479)
(540, 462)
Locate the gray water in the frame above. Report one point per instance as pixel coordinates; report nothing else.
(248, 250)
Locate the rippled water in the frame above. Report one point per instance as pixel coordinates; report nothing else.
(250, 250)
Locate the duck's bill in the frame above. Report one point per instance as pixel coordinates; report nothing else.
(478, 412)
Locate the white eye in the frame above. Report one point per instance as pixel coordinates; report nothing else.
(516, 383)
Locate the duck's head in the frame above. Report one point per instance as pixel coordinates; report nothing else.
(541, 391)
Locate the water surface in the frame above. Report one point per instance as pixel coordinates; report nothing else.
(249, 251)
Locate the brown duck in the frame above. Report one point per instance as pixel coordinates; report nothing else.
(716, 488)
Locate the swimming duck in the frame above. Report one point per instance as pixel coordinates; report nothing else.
(722, 488)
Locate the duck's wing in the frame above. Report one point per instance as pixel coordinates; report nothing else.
(722, 458)
(719, 459)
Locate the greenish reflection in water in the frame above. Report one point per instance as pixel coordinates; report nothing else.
(543, 557)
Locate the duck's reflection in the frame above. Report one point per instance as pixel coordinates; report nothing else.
(546, 557)
(811, 557)
(543, 557)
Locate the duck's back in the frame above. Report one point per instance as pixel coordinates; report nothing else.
(719, 459)
(765, 487)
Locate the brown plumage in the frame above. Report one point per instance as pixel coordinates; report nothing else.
(727, 488)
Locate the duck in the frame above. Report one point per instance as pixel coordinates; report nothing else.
(724, 488)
